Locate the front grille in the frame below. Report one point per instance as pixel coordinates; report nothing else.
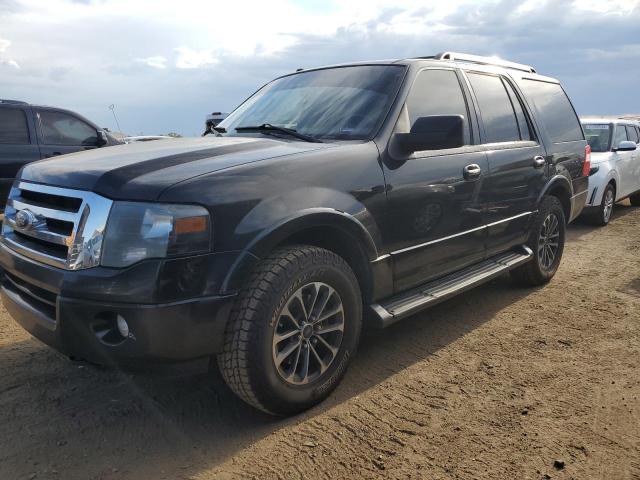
(57, 226)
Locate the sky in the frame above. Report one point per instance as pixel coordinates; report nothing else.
(166, 64)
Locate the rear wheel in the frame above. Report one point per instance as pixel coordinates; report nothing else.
(635, 199)
(293, 330)
(602, 214)
(546, 240)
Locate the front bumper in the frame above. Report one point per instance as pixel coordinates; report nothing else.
(38, 297)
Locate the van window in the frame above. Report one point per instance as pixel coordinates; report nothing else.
(437, 92)
(61, 129)
(523, 123)
(13, 126)
(496, 110)
(620, 135)
(632, 134)
(555, 110)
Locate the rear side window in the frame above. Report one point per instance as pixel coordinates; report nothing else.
(555, 110)
(13, 126)
(437, 92)
(61, 129)
(632, 134)
(496, 108)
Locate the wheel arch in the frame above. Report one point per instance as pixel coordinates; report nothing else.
(327, 228)
(560, 188)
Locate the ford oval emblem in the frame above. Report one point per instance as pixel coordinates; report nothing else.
(25, 219)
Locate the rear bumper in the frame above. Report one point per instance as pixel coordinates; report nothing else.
(87, 328)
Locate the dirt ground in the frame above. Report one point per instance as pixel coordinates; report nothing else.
(498, 384)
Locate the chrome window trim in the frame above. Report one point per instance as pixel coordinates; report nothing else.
(84, 243)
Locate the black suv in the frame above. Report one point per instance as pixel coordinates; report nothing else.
(30, 132)
(368, 190)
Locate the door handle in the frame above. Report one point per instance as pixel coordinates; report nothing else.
(471, 172)
(539, 161)
(53, 154)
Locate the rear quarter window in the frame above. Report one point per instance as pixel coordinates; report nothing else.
(13, 127)
(554, 109)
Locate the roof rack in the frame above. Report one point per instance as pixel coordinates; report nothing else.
(465, 57)
(13, 102)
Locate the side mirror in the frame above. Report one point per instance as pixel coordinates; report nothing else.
(435, 132)
(625, 146)
(102, 138)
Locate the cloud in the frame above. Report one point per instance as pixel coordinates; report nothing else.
(4, 46)
(189, 58)
(155, 62)
(167, 65)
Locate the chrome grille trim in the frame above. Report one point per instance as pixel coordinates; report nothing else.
(37, 241)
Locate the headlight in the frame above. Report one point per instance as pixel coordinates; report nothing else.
(137, 231)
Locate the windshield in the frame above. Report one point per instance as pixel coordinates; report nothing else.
(598, 136)
(345, 103)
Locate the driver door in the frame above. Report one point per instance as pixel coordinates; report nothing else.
(435, 223)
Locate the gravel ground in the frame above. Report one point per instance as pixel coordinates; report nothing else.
(501, 383)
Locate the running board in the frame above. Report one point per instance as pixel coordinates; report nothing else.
(407, 303)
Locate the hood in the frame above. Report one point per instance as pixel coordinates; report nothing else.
(599, 157)
(141, 171)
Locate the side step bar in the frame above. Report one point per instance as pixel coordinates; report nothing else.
(407, 303)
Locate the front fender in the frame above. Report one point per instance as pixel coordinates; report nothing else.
(274, 220)
(599, 180)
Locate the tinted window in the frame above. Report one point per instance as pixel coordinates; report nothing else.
(335, 103)
(62, 129)
(555, 110)
(13, 126)
(620, 135)
(523, 123)
(632, 134)
(598, 136)
(437, 92)
(496, 110)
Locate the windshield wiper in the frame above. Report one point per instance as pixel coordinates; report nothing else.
(267, 127)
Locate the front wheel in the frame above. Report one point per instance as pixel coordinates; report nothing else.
(603, 212)
(293, 330)
(546, 240)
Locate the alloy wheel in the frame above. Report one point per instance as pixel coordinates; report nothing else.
(549, 241)
(308, 334)
(608, 205)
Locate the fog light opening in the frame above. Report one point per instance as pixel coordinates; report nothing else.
(123, 326)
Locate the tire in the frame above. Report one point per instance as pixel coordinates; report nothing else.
(254, 362)
(541, 268)
(635, 199)
(602, 214)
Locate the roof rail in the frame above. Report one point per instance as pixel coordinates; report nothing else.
(465, 57)
(13, 102)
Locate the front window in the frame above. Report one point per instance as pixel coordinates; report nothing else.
(343, 103)
(598, 135)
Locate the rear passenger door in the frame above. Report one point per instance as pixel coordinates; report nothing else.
(517, 165)
(17, 145)
(62, 133)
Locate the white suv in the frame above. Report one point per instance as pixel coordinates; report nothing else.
(615, 165)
